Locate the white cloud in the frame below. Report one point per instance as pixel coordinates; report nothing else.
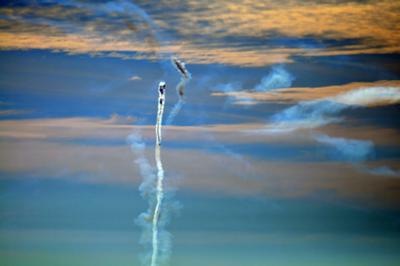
(135, 77)
(276, 79)
(369, 96)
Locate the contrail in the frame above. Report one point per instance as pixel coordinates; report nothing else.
(154, 219)
(161, 102)
(180, 88)
(152, 188)
(159, 199)
(160, 175)
(175, 110)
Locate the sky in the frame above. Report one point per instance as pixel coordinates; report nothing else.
(286, 149)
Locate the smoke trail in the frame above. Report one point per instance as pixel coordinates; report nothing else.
(152, 188)
(145, 168)
(180, 88)
(160, 179)
(146, 188)
(159, 199)
(174, 112)
(154, 219)
(160, 111)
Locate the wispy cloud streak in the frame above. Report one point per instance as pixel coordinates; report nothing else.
(276, 79)
(321, 112)
(348, 149)
(316, 113)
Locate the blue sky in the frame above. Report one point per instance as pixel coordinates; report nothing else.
(287, 144)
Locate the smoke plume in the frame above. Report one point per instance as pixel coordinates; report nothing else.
(180, 88)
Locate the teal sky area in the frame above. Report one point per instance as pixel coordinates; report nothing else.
(285, 151)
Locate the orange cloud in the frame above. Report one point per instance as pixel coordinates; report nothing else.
(14, 112)
(114, 164)
(204, 31)
(40, 148)
(119, 127)
(290, 95)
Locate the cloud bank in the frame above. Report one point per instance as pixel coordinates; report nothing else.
(245, 33)
(316, 113)
(381, 93)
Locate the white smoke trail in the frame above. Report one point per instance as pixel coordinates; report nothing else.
(152, 188)
(145, 168)
(174, 112)
(154, 219)
(160, 110)
(146, 188)
(180, 88)
(159, 199)
(160, 177)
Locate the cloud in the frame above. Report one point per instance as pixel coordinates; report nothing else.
(135, 77)
(381, 93)
(13, 112)
(276, 79)
(113, 164)
(321, 112)
(310, 114)
(115, 127)
(357, 152)
(383, 171)
(246, 33)
(117, 119)
(373, 96)
(348, 149)
(296, 19)
(316, 113)
(227, 88)
(29, 145)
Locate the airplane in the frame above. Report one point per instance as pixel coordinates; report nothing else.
(181, 67)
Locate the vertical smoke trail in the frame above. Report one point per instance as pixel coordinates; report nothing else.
(180, 88)
(159, 199)
(161, 101)
(152, 188)
(160, 174)
(154, 219)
